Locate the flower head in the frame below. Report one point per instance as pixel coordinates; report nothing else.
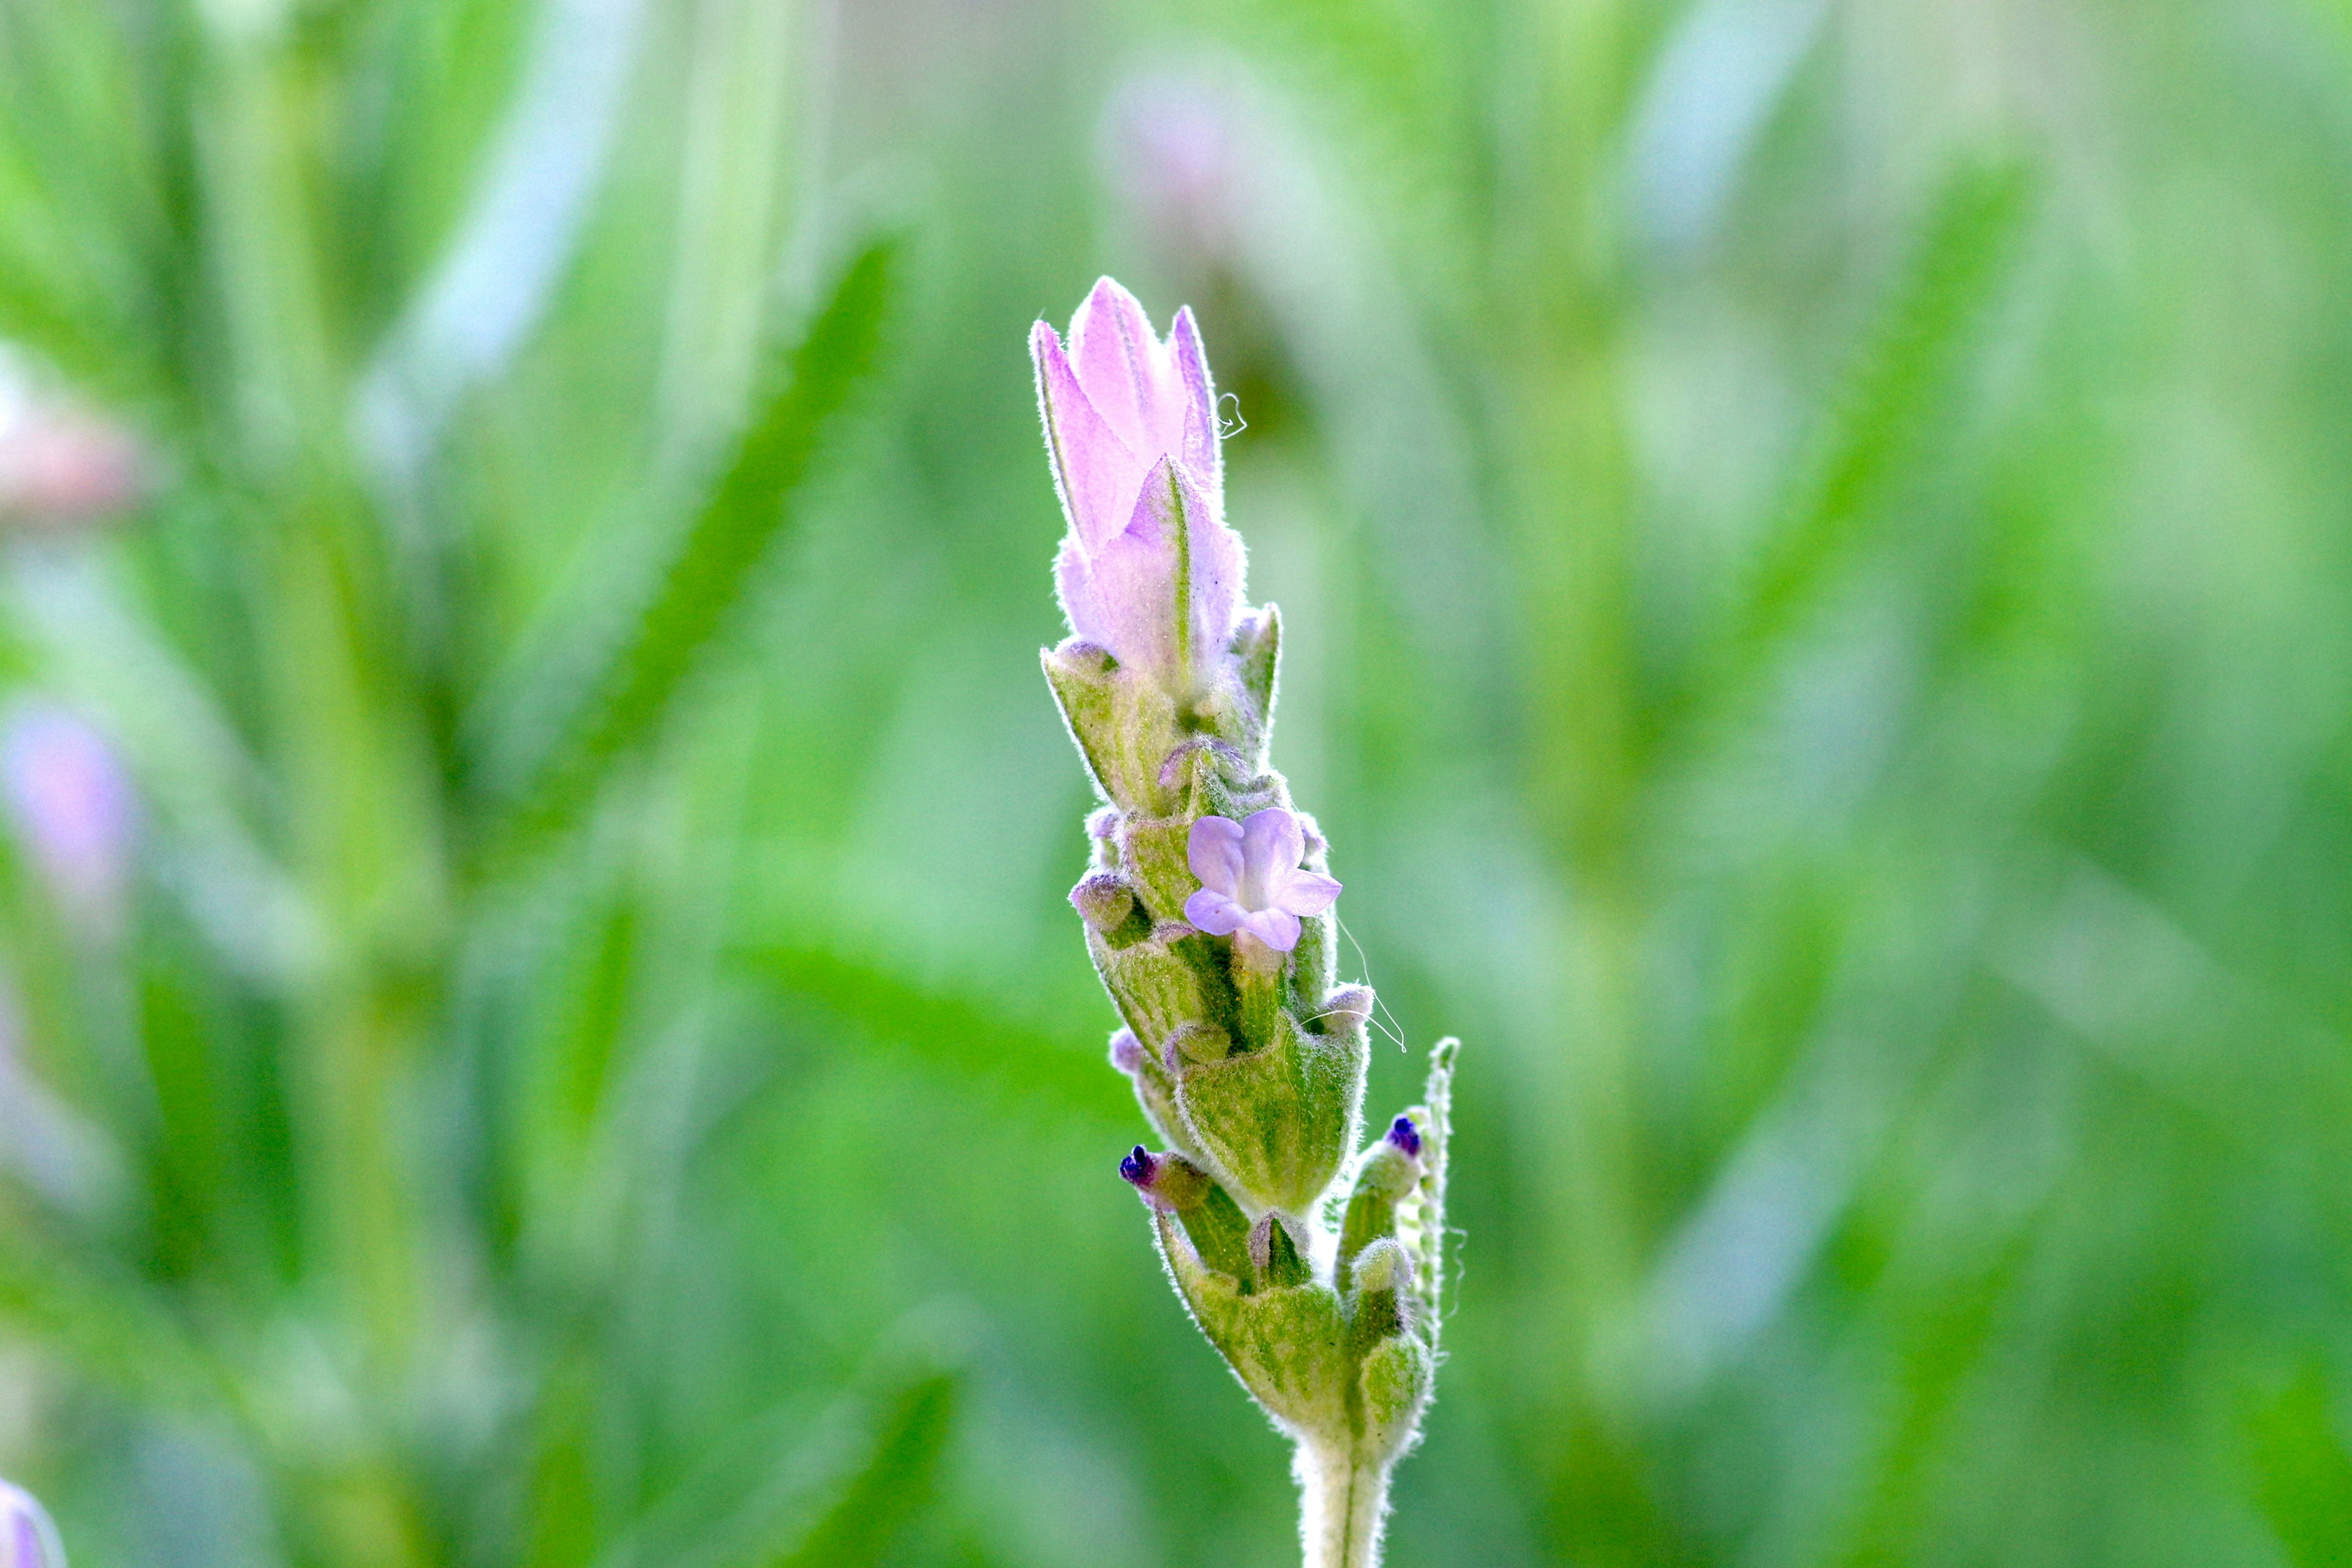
(1251, 880)
(27, 1539)
(1149, 570)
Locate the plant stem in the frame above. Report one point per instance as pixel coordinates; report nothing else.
(1342, 1504)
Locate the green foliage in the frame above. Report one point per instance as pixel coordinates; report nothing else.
(1840, 700)
(753, 501)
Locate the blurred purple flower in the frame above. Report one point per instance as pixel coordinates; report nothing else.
(1250, 878)
(1150, 571)
(73, 807)
(59, 467)
(27, 1539)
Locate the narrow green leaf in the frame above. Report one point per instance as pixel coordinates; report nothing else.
(891, 1489)
(2302, 1476)
(960, 1033)
(755, 502)
(1901, 381)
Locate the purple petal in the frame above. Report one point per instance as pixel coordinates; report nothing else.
(1278, 929)
(1094, 472)
(1075, 583)
(1200, 453)
(1305, 893)
(1212, 912)
(1271, 845)
(1126, 371)
(1215, 851)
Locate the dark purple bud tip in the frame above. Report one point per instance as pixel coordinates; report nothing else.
(1405, 1136)
(1140, 1167)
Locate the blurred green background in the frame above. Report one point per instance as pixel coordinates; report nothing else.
(537, 1020)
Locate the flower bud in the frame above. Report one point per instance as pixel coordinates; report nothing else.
(1348, 1008)
(1153, 1090)
(1389, 1170)
(1404, 1137)
(1127, 1052)
(1213, 1222)
(1103, 901)
(1384, 1303)
(27, 1539)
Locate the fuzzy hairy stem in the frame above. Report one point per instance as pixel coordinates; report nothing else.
(1342, 1505)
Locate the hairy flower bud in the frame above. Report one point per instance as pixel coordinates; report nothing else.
(1387, 1172)
(1220, 1233)
(1103, 901)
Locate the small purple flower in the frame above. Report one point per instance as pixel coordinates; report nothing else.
(1250, 878)
(74, 808)
(27, 1539)
(1150, 571)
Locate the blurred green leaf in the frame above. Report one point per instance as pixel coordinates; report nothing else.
(963, 1033)
(2302, 1477)
(757, 500)
(1901, 384)
(893, 1486)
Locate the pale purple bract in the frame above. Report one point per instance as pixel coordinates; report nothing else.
(1251, 880)
(1149, 570)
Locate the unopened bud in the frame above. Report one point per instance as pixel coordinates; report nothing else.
(1275, 1255)
(1213, 1222)
(27, 1539)
(1127, 1052)
(1169, 1182)
(1383, 1291)
(1389, 1170)
(1347, 1008)
(1103, 901)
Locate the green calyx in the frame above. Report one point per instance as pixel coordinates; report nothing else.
(1313, 1268)
(1340, 1355)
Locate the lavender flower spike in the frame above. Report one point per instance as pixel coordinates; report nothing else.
(1313, 1266)
(1251, 880)
(27, 1539)
(1150, 572)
